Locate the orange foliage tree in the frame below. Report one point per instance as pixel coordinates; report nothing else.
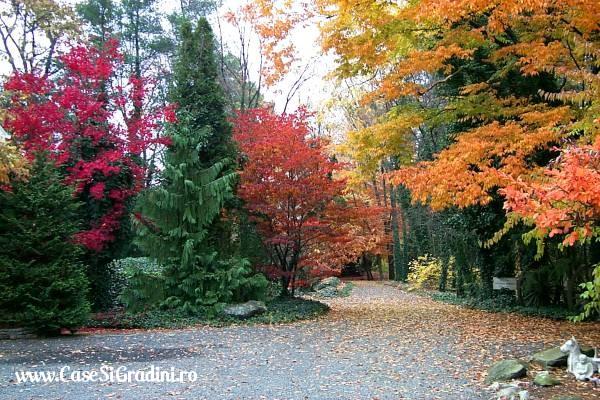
(536, 88)
(567, 201)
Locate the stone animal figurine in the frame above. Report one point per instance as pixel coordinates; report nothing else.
(509, 391)
(576, 361)
(572, 347)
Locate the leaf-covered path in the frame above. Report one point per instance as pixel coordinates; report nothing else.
(379, 343)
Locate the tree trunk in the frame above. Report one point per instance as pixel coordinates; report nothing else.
(285, 284)
(396, 238)
(444, 274)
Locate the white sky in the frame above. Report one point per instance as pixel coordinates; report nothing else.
(308, 50)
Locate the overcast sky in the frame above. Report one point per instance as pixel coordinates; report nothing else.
(308, 50)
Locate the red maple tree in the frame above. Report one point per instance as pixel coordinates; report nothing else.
(90, 130)
(288, 187)
(360, 232)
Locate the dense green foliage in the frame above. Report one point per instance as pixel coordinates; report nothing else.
(591, 294)
(173, 226)
(503, 302)
(141, 285)
(196, 91)
(210, 282)
(280, 311)
(42, 281)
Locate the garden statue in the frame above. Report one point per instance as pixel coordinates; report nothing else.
(580, 365)
(572, 347)
(583, 369)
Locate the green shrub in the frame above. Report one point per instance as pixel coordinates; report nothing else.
(591, 294)
(43, 285)
(142, 285)
(205, 288)
(426, 272)
(210, 282)
(504, 302)
(274, 290)
(538, 286)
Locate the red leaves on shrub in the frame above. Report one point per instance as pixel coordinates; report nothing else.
(95, 132)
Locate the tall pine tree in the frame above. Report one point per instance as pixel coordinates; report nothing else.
(177, 220)
(197, 93)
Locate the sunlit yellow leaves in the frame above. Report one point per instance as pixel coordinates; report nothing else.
(365, 35)
(389, 137)
(12, 163)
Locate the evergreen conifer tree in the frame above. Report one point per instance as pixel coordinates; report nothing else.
(42, 282)
(173, 223)
(197, 93)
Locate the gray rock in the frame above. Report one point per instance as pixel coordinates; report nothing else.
(544, 378)
(567, 398)
(245, 310)
(506, 370)
(16, 333)
(553, 357)
(327, 292)
(332, 281)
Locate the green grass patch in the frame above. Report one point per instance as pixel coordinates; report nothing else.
(280, 310)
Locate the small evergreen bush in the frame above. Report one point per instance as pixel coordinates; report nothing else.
(200, 290)
(43, 285)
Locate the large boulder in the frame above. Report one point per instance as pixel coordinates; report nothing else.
(550, 358)
(553, 357)
(245, 310)
(506, 370)
(544, 378)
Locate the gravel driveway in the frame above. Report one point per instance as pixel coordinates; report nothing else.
(379, 343)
